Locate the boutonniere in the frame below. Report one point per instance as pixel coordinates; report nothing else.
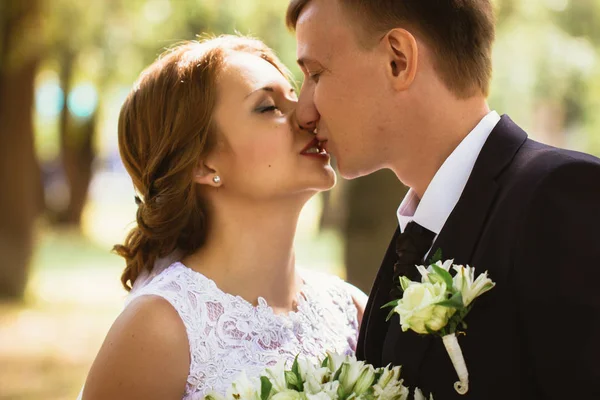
(438, 306)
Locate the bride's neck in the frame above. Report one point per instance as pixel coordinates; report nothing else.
(249, 251)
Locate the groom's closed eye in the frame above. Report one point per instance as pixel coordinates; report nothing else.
(310, 67)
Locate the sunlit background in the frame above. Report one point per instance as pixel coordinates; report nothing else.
(65, 199)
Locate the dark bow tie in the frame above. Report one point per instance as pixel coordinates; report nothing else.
(411, 246)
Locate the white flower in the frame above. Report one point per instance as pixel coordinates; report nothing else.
(356, 377)
(389, 385)
(420, 396)
(276, 375)
(335, 361)
(365, 380)
(313, 383)
(319, 396)
(349, 375)
(470, 288)
(388, 375)
(331, 388)
(286, 395)
(428, 274)
(418, 310)
(214, 396)
(244, 388)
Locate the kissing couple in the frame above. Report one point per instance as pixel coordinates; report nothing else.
(223, 154)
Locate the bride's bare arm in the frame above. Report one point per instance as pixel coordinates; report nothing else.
(144, 356)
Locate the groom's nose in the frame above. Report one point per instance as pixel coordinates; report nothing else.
(306, 111)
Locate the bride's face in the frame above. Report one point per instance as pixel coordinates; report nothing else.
(262, 153)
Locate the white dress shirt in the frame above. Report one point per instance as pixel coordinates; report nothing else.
(447, 185)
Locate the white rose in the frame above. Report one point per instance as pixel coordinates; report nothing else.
(418, 310)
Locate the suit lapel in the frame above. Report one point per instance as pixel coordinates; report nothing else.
(374, 328)
(459, 236)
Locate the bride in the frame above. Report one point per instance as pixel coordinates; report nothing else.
(222, 171)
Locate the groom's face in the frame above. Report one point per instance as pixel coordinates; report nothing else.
(344, 91)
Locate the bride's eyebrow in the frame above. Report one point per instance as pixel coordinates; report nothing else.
(269, 89)
(265, 89)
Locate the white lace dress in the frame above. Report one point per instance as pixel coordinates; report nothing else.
(228, 335)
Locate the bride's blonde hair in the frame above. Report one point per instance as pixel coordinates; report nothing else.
(165, 128)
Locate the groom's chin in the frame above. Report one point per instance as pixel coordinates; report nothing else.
(349, 171)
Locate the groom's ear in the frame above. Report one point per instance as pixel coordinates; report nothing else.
(403, 57)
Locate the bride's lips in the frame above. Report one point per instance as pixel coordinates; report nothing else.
(315, 148)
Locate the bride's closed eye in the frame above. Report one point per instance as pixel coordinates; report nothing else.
(267, 108)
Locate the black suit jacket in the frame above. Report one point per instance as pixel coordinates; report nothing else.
(530, 215)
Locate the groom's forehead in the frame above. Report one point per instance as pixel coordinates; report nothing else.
(320, 29)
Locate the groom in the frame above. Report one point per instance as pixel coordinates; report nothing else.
(402, 85)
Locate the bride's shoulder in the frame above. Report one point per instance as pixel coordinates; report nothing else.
(146, 339)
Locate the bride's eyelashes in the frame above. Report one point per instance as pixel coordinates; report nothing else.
(268, 108)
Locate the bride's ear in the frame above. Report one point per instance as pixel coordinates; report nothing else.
(403, 57)
(206, 174)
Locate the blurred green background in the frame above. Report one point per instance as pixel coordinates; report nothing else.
(65, 199)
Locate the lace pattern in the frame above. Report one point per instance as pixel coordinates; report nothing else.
(228, 335)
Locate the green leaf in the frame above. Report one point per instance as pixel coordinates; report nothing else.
(296, 371)
(445, 275)
(325, 362)
(404, 283)
(456, 301)
(337, 374)
(265, 387)
(392, 303)
(437, 256)
(295, 367)
(390, 315)
(292, 380)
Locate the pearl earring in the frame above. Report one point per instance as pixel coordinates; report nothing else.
(217, 179)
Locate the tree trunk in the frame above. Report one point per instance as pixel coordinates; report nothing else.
(19, 171)
(370, 223)
(78, 157)
(77, 152)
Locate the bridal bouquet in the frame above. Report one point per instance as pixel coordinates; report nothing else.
(438, 305)
(335, 378)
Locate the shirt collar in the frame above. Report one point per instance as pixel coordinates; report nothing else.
(447, 185)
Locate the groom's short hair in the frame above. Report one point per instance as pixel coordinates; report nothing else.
(460, 32)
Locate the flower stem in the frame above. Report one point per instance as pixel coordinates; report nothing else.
(458, 361)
